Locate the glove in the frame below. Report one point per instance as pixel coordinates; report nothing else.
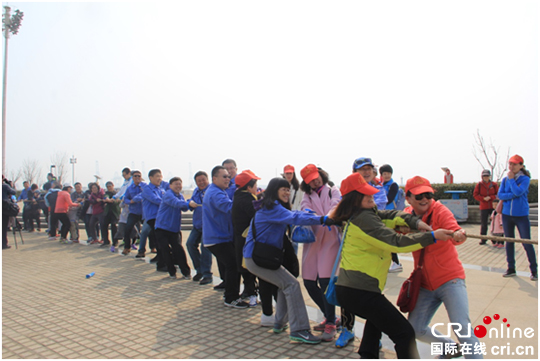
(328, 221)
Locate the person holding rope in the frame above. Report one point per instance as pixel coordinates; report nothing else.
(443, 276)
(514, 194)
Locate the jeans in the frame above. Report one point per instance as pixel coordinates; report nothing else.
(454, 296)
(317, 295)
(202, 260)
(146, 229)
(290, 304)
(524, 227)
(381, 316)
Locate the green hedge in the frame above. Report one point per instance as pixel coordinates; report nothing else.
(440, 188)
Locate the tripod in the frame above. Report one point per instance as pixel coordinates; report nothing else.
(17, 227)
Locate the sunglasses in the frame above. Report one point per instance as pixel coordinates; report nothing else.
(226, 176)
(419, 197)
(363, 160)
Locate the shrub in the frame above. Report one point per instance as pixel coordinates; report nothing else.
(440, 188)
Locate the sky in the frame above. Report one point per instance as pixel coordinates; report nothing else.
(182, 86)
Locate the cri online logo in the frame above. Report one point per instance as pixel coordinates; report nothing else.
(480, 331)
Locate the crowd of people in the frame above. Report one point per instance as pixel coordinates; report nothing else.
(363, 224)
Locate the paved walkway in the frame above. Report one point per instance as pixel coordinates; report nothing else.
(128, 310)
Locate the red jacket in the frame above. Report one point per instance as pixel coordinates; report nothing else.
(441, 262)
(63, 202)
(484, 189)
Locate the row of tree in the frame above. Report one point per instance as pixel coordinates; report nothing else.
(30, 170)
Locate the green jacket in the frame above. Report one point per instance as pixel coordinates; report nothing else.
(369, 243)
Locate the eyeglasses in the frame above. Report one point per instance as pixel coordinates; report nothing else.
(419, 197)
(226, 176)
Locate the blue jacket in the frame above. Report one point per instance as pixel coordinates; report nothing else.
(380, 197)
(515, 195)
(169, 215)
(24, 194)
(232, 188)
(217, 220)
(197, 197)
(391, 204)
(133, 193)
(151, 199)
(271, 224)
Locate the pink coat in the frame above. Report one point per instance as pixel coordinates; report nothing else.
(318, 258)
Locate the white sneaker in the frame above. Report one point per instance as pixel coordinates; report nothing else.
(253, 301)
(267, 321)
(395, 268)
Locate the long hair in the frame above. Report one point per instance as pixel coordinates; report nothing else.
(526, 171)
(324, 176)
(349, 206)
(294, 181)
(271, 193)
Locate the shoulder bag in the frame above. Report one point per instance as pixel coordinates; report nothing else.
(265, 255)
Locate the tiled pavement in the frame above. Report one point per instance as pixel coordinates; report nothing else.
(128, 310)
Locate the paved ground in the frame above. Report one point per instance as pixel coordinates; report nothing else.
(128, 310)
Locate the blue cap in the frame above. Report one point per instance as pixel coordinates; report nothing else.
(362, 161)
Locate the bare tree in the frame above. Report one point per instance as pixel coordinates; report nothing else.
(60, 160)
(31, 171)
(489, 154)
(14, 176)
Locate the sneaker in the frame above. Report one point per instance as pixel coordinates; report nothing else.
(112, 249)
(139, 255)
(252, 301)
(197, 277)
(510, 273)
(304, 337)
(220, 287)
(267, 321)
(395, 267)
(75, 240)
(134, 247)
(279, 329)
(344, 338)
(188, 277)
(53, 238)
(501, 246)
(329, 333)
(321, 326)
(94, 241)
(65, 241)
(126, 251)
(236, 304)
(206, 280)
(534, 277)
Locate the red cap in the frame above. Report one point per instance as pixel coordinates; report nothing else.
(516, 159)
(288, 169)
(418, 185)
(243, 178)
(309, 173)
(355, 182)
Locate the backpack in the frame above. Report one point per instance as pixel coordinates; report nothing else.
(10, 208)
(399, 201)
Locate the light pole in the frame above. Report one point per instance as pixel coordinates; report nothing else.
(10, 24)
(73, 160)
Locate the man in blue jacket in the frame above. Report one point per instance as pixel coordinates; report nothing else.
(133, 199)
(22, 197)
(202, 261)
(230, 166)
(152, 195)
(218, 233)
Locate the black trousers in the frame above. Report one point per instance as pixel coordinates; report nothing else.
(132, 220)
(66, 223)
(381, 316)
(153, 239)
(170, 245)
(5, 221)
(224, 253)
(484, 216)
(112, 220)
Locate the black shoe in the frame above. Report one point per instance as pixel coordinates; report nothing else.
(510, 273)
(6, 247)
(206, 280)
(162, 269)
(197, 277)
(140, 255)
(154, 260)
(220, 287)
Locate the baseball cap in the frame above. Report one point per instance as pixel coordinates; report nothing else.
(309, 173)
(243, 178)
(355, 182)
(362, 161)
(418, 185)
(516, 159)
(65, 185)
(486, 172)
(288, 169)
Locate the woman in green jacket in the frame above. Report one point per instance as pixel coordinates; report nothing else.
(367, 251)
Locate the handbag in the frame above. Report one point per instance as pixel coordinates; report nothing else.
(10, 208)
(303, 234)
(265, 255)
(408, 295)
(330, 293)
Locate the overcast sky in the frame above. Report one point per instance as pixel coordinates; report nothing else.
(182, 86)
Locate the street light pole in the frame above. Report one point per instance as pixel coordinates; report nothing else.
(10, 24)
(73, 160)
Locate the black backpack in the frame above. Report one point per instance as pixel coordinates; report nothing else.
(10, 208)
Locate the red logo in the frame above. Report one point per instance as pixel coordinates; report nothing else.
(480, 331)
